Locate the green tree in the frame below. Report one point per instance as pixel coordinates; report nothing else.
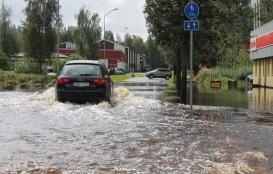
(68, 34)
(8, 42)
(39, 29)
(118, 39)
(225, 25)
(4, 61)
(266, 11)
(87, 34)
(108, 35)
(154, 55)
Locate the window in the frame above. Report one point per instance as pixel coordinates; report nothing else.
(82, 69)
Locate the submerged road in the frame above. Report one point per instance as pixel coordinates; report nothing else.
(138, 133)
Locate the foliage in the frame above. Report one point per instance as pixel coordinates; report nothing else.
(219, 73)
(4, 61)
(27, 67)
(8, 42)
(266, 11)
(87, 34)
(225, 27)
(154, 55)
(39, 29)
(58, 64)
(108, 35)
(68, 34)
(10, 80)
(118, 39)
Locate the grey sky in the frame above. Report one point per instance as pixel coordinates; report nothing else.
(130, 14)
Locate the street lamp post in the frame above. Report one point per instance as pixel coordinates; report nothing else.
(58, 35)
(115, 9)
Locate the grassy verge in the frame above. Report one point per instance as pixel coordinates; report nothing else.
(124, 77)
(170, 95)
(224, 75)
(9, 80)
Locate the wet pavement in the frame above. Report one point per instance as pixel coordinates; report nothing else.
(137, 133)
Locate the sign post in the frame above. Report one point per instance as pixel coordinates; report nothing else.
(191, 11)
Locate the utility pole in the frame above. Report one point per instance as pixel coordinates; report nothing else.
(104, 46)
(58, 35)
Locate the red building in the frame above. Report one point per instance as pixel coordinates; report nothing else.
(67, 48)
(119, 56)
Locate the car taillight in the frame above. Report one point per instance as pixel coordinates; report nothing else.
(100, 82)
(62, 81)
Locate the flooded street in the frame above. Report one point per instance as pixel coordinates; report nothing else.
(138, 133)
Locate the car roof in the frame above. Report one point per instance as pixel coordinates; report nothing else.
(95, 62)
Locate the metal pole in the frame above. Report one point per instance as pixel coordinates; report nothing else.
(104, 29)
(104, 37)
(58, 36)
(191, 68)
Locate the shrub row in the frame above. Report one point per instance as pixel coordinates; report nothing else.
(217, 73)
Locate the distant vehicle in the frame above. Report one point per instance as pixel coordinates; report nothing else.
(159, 73)
(84, 81)
(249, 78)
(117, 71)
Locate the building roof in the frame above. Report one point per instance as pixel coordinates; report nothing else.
(112, 42)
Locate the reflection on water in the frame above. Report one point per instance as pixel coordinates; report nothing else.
(247, 98)
(262, 99)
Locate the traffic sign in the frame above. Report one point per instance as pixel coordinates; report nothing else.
(192, 10)
(191, 25)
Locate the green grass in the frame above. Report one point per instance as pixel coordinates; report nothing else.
(124, 77)
(9, 80)
(170, 95)
(223, 74)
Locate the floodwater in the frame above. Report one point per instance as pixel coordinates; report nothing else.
(247, 98)
(136, 134)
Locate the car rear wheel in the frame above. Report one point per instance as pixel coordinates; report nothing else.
(167, 77)
(151, 76)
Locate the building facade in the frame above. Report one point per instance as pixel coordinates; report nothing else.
(119, 56)
(261, 52)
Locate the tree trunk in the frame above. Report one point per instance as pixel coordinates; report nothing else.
(178, 71)
(184, 58)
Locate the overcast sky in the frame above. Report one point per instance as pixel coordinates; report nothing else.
(130, 14)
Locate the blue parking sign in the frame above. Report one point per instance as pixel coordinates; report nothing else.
(191, 10)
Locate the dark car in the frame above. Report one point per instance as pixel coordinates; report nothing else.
(159, 73)
(84, 81)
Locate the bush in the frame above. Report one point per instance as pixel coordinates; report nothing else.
(218, 73)
(25, 67)
(59, 63)
(4, 61)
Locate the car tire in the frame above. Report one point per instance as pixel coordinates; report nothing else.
(167, 77)
(151, 76)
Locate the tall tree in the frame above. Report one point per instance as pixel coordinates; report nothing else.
(153, 55)
(118, 39)
(87, 34)
(8, 42)
(68, 34)
(266, 11)
(138, 45)
(39, 29)
(108, 35)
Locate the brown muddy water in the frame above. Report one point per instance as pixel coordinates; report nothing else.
(138, 133)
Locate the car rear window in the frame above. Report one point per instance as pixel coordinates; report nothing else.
(82, 69)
